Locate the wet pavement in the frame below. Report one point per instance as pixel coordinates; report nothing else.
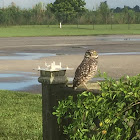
(33, 56)
(10, 81)
(46, 47)
(17, 81)
(120, 39)
(25, 56)
(121, 53)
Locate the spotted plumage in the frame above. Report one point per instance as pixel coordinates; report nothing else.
(87, 69)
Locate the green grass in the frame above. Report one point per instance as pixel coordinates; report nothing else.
(20, 116)
(67, 30)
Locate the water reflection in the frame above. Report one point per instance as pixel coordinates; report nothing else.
(95, 79)
(121, 53)
(26, 56)
(32, 56)
(6, 84)
(24, 83)
(5, 75)
(18, 85)
(119, 39)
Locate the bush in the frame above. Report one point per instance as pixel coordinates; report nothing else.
(112, 115)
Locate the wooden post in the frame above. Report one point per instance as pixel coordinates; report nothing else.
(52, 82)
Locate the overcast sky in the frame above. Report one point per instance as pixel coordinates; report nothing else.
(89, 3)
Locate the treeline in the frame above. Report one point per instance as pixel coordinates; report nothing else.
(119, 10)
(14, 15)
(105, 15)
(42, 14)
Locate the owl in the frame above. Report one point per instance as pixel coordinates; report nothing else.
(87, 69)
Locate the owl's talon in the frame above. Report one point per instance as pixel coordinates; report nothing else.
(85, 86)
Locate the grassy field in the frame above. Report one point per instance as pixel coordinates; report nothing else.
(54, 30)
(20, 116)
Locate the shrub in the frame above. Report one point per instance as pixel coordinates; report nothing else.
(112, 115)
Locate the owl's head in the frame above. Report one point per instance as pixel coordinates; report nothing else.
(91, 54)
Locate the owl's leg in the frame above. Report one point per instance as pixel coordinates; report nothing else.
(74, 88)
(85, 85)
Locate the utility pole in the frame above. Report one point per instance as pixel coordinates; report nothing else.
(93, 16)
(128, 21)
(112, 16)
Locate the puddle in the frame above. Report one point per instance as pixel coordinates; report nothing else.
(26, 56)
(23, 84)
(18, 74)
(32, 56)
(17, 85)
(123, 53)
(92, 80)
(5, 75)
(79, 47)
(120, 39)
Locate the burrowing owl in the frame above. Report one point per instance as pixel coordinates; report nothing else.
(86, 70)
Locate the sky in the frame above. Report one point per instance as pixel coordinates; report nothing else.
(90, 4)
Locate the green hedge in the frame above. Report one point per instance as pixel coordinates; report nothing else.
(112, 115)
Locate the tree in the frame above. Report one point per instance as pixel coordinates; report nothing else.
(125, 14)
(12, 14)
(136, 8)
(104, 11)
(118, 10)
(66, 10)
(2, 16)
(50, 17)
(38, 11)
(131, 16)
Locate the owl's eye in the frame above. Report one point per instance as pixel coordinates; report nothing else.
(88, 53)
(94, 53)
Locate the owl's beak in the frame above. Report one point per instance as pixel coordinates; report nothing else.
(96, 56)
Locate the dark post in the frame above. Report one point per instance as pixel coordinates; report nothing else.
(77, 20)
(128, 21)
(111, 20)
(52, 82)
(93, 21)
(111, 16)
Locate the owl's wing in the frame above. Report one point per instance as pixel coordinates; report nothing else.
(82, 73)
